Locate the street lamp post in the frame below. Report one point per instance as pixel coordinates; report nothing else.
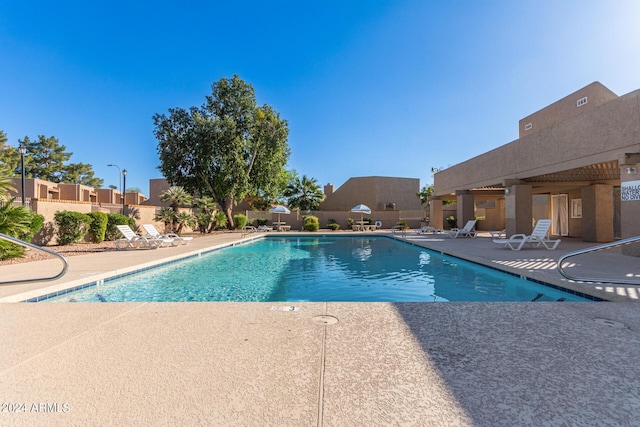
(120, 182)
(23, 150)
(124, 194)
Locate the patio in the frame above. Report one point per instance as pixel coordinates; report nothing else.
(475, 364)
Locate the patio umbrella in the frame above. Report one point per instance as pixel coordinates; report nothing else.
(279, 209)
(363, 209)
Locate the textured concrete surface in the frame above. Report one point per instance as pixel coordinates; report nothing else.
(246, 364)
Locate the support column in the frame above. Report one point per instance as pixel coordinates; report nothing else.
(518, 209)
(597, 213)
(630, 202)
(465, 210)
(435, 214)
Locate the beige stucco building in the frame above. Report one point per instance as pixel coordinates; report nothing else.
(378, 192)
(575, 162)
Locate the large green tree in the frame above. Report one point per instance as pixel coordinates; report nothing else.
(46, 159)
(227, 148)
(304, 193)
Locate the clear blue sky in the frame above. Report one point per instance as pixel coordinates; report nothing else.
(389, 88)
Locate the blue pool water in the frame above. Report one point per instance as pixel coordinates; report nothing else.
(319, 269)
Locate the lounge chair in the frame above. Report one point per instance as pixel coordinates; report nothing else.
(427, 229)
(537, 237)
(502, 234)
(265, 228)
(175, 239)
(466, 231)
(132, 241)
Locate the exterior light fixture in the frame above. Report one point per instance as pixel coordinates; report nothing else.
(124, 192)
(631, 171)
(23, 150)
(507, 190)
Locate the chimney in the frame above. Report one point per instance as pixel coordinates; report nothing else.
(328, 189)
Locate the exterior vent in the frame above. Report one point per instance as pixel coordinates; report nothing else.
(528, 126)
(581, 102)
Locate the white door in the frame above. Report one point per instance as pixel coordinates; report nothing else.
(560, 214)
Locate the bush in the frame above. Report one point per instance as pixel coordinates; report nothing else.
(240, 220)
(72, 226)
(220, 220)
(311, 223)
(112, 232)
(98, 226)
(452, 221)
(203, 221)
(10, 250)
(402, 224)
(36, 222)
(261, 221)
(332, 224)
(350, 223)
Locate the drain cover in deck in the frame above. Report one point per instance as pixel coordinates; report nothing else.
(324, 320)
(610, 323)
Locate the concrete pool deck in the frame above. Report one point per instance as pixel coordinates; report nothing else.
(330, 364)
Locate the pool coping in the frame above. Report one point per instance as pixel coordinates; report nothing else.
(42, 294)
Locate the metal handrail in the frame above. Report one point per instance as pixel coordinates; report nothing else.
(595, 249)
(30, 245)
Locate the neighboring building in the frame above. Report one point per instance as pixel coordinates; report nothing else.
(575, 162)
(380, 193)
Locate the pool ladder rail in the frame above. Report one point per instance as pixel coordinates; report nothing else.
(568, 255)
(38, 279)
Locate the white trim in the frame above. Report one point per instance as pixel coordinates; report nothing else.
(581, 102)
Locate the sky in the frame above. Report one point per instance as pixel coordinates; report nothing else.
(368, 88)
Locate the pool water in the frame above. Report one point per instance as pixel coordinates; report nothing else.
(319, 269)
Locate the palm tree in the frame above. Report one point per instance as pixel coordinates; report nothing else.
(167, 216)
(207, 207)
(176, 196)
(304, 194)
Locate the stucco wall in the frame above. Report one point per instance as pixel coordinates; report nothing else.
(602, 133)
(375, 192)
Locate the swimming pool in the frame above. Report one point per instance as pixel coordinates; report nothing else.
(341, 268)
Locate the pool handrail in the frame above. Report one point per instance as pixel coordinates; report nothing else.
(38, 279)
(595, 249)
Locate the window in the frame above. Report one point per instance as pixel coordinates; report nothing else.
(528, 126)
(581, 102)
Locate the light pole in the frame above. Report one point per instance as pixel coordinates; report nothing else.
(119, 182)
(23, 150)
(124, 194)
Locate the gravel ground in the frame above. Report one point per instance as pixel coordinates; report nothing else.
(67, 250)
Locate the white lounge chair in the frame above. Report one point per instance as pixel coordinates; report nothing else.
(537, 237)
(427, 229)
(466, 231)
(175, 239)
(502, 234)
(265, 228)
(132, 241)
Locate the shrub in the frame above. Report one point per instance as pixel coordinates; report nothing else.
(402, 224)
(220, 220)
(240, 220)
(72, 226)
(36, 222)
(332, 224)
(311, 223)
(112, 232)
(203, 221)
(452, 221)
(261, 221)
(10, 250)
(98, 226)
(350, 222)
